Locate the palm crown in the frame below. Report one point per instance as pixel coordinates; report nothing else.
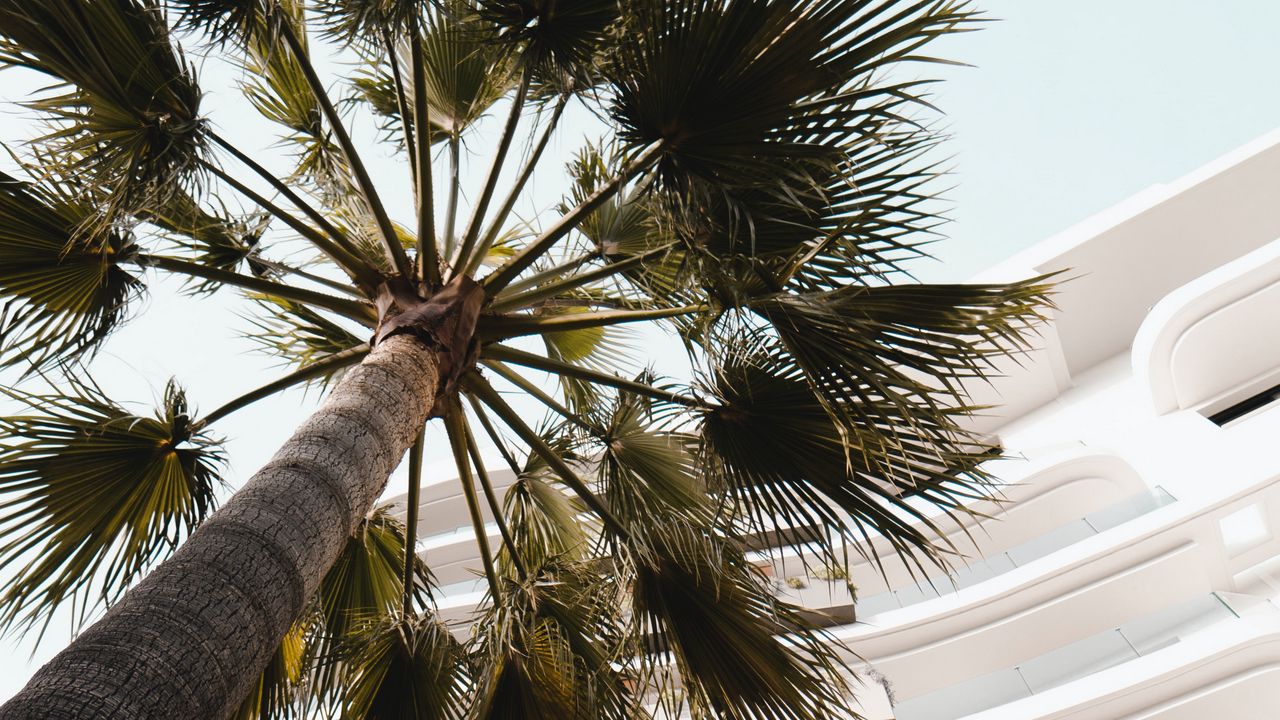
(766, 177)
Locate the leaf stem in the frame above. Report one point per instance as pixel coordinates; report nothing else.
(411, 518)
(495, 227)
(492, 432)
(492, 499)
(337, 361)
(455, 188)
(453, 421)
(499, 278)
(357, 268)
(516, 325)
(349, 254)
(563, 284)
(554, 272)
(559, 367)
(318, 279)
(391, 245)
(490, 397)
(402, 106)
(428, 248)
(526, 385)
(462, 255)
(357, 310)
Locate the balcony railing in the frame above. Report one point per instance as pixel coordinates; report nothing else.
(976, 571)
(1082, 658)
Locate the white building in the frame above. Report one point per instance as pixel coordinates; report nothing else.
(1133, 574)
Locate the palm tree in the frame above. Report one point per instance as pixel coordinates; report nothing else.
(765, 177)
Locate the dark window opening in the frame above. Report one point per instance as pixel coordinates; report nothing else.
(1246, 406)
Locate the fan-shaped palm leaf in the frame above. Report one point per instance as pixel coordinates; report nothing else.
(465, 73)
(746, 92)
(550, 648)
(774, 445)
(695, 598)
(562, 41)
(405, 669)
(218, 240)
(598, 348)
(277, 87)
(93, 495)
(222, 20)
(127, 108)
(869, 346)
(369, 21)
(543, 520)
(297, 334)
(363, 586)
(66, 291)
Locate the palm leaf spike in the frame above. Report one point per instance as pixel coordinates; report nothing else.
(103, 494)
(221, 20)
(219, 240)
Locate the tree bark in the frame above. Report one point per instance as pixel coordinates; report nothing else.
(192, 638)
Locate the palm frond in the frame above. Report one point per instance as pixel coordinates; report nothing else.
(365, 585)
(791, 465)
(646, 472)
(125, 106)
(465, 74)
(92, 495)
(625, 225)
(903, 344)
(762, 96)
(696, 599)
(369, 21)
(277, 87)
(66, 291)
(221, 20)
(297, 334)
(600, 348)
(561, 41)
(218, 240)
(543, 520)
(551, 649)
(405, 668)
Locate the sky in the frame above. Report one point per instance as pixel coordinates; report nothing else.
(1063, 110)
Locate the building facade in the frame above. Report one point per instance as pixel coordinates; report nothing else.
(1133, 568)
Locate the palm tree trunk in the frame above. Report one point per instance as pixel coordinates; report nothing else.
(191, 639)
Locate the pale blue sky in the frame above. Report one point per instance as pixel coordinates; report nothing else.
(1074, 106)
(1070, 108)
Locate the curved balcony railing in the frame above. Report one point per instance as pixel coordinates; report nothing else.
(986, 568)
(1108, 649)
